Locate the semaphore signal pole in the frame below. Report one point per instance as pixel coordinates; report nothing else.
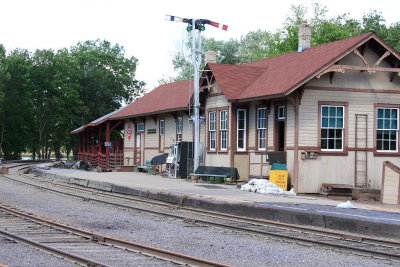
(196, 24)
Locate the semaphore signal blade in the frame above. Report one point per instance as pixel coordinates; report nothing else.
(218, 25)
(174, 18)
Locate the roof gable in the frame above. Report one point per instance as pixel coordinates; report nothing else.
(233, 79)
(280, 75)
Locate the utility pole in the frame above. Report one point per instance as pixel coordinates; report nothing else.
(193, 25)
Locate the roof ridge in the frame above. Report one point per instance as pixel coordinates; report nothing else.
(311, 48)
(241, 66)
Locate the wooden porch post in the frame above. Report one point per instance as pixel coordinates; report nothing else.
(84, 142)
(296, 142)
(108, 149)
(99, 139)
(80, 144)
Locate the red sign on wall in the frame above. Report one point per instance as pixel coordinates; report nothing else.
(129, 132)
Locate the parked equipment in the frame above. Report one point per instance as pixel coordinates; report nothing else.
(180, 159)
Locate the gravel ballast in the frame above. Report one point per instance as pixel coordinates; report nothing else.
(219, 245)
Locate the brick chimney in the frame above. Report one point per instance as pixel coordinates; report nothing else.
(210, 57)
(304, 37)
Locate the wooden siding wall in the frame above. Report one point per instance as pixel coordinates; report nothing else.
(129, 144)
(151, 140)
(217, 100)
(390, 184)
(344, 88)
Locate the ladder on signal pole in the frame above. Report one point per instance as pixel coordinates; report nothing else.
(361, 151)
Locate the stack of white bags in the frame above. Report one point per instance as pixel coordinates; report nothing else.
(263, 186)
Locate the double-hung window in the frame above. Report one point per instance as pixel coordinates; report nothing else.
(332, 128)
(387, 130)
(262, 128)
(162, 127)
(241, 129)
(179, 126)
(223, 127)
(212, 129)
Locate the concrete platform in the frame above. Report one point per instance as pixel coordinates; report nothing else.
(369, 218)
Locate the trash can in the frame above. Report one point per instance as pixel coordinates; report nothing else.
(279, 175)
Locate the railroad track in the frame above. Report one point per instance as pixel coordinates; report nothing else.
(357, 244)
(85, 247)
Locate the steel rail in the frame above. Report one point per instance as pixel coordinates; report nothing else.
(145, 249)
(356, 238)
(64, 254)
(352, 236)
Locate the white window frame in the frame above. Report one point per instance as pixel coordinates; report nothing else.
(179, 127)
(281, 113)
(329, 128)
(241, 131)
(212, 130)
(262, 122)
(382, 127)
(140, 127)
(223, 127)
(161, 127)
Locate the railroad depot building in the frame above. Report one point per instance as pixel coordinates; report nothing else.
(333, 108)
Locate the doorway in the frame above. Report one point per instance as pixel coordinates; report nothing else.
(280, 125)
(138, 150)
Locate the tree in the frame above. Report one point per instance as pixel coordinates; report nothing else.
(228, 53)
(16, 115)
(44, 95)
(105, 77)
(2, 95)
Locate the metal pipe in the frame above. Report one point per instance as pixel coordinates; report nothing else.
(196, 64)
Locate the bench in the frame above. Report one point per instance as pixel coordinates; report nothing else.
(210, 174)
(148, 168)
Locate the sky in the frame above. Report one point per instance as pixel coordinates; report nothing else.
(140, 26)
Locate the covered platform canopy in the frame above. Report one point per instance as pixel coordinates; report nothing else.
(95, 144)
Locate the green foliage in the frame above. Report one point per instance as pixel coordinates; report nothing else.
(260, 44)
(46, 94)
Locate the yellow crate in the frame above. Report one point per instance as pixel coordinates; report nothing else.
(280, 178)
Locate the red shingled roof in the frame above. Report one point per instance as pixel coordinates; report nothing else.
(165, 98)
(280, 75)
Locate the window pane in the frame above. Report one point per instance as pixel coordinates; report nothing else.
(394, 113)
(240, 139)
(387, 124)
(332, 111)
(379, 145)
(380, 113)
(331, 144)
(394, 124)
(387, 113)
(380, 124)
(339, 133)
(392, 135)
(331, 133)
(324, 133)
(385, 135)
(340, 112)
(338, 144)
(332, 122)
(385, 145)
(339, 123)
(324, 122)
(379, 135)
(324, 144)
(324, 111)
